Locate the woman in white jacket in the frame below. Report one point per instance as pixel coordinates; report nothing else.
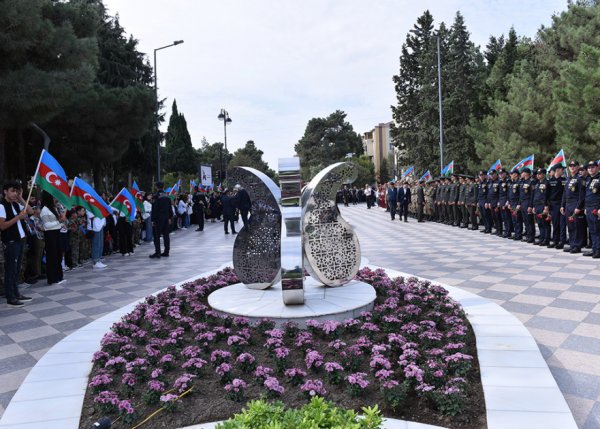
(51, 221)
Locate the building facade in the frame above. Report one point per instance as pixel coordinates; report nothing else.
(377, 144)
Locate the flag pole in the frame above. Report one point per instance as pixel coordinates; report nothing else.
(115, 199)
(37, 169)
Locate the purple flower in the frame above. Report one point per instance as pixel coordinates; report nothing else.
(273, 386)
(128, 379)
(313, 387)
(184, 382)
(281, 352)
(107, 397)
(358, 379)
(223, 369)
(126, 407)
(313, 359)
(194, 362)
(330, 326)
(100, 380)
(191, 351)
(263, 371)
(333, 366)
(219, 356)
(156, 386)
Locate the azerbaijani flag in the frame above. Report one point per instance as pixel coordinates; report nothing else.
(192, 186)
(51, 177)
(495, 166)
(220, 188)
(82, 194)
(524, 163)
(125, 203)
(448, 170)
(173, 191)
(409, 170)
(558, 159)
(425, 177)
(137, 194)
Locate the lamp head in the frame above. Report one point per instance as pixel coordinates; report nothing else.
(178, 42)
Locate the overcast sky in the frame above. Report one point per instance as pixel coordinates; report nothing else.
(275, 64)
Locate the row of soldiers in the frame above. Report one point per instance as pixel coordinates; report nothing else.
(510, 204)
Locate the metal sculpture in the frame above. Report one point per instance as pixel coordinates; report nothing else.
(292, 270)
(290, 229)
(331, 248)
(256, 251)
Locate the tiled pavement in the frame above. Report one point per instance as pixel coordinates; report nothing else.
(556, 295)
(56, 311)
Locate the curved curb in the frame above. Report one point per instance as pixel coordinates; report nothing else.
(519, 389)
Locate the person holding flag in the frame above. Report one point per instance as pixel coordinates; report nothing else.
(124, 202)
(82, 194)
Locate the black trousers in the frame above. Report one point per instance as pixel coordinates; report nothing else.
(199, 214)
(228, 219)
(54, 272)
(244, 216)
(125, 236)
(420, 212)
(161, 228)
(403, 212)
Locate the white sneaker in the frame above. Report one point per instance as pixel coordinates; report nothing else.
(63, 281)
(99, 265)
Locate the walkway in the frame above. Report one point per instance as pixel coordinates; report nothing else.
(56, 311)
(555, 294)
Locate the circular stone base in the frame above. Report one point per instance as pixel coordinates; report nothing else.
(320, 302)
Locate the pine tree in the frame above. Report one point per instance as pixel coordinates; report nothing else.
(251, 156)
(179, 152)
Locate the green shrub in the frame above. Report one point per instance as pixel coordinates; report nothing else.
(318, 413)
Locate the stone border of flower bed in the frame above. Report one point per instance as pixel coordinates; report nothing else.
(519, 389)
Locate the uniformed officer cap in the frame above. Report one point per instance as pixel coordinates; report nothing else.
(541, 171)
(556, 167)
(574, 164)
(527, 170)
(515, 171)
(592, 164)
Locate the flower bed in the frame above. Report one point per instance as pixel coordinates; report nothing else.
(413, 355)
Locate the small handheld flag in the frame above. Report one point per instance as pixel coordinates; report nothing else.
(425, 177)
(125, 203)
(137, 194)
(82, 194)
(524, 163)
(409, 170)
(497, 166)
(558, 159)
(448, 170)
(51, 177)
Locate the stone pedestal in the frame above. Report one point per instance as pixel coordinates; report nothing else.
(320, 302)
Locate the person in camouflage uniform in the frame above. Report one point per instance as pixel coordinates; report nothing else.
(84, 242)
(137, 229)
(74, 237)
(429, 208)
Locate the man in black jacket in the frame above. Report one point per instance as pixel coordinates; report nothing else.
(243, 203)
(161, 220)
(228, 206)
(404, 200)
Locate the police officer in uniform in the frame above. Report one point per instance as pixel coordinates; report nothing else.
(541, 206)
(392, 199)
(592, 207)
(525, 192)
(505, 215)
(572, 208)
(513, 204)
(482, 191)
(493, 201)
(462, 198)
(161, 216)
(557, 187)
(420, 200)
(453, 200)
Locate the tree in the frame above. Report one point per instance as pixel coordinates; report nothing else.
(49, 55)
(366, 170)
(251, 156)
(179, 153)
(325, 141)
(578, 106)
(215, 155)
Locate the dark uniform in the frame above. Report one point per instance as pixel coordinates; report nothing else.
(540, 201)
(514, 202)
(454, 188)
(420, 201)
(592, 208)
(525, 192)
(462, 206)
(573, 207)
(493, 199)
(438, 202)
(505, 215)
(482, 191)
(559, 226)
(392, 200)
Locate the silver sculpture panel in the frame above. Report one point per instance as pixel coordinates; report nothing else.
(331, 248)
(292, 267)
(256, 251)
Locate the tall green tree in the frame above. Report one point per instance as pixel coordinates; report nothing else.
(325, 141)
(179, 153)
(251, 156)
(49, 55)
(216, 156)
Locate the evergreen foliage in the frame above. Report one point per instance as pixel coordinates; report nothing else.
(251, 156)
(180, 156)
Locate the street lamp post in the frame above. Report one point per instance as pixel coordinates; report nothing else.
(176, 42)
(440, 104)
(224, 116)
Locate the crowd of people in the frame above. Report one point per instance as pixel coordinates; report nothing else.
(544, 208)
(41, 239)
